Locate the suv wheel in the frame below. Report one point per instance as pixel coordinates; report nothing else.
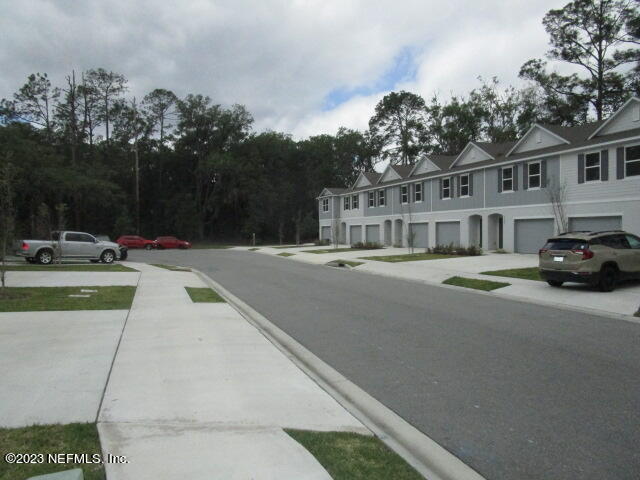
(44, 257)
(608, 279)
(555, 283)
(107, 256)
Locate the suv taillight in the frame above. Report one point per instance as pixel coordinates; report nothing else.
(542, 250)
(586, 253)
(25, 246)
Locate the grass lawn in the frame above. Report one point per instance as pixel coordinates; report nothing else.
(216, 246)
(337, 250)
(71, 438)
(114, 267)
(411, 257)
(286, 254)
(38, 299)
(351, 263)
(531, 273)
(173, 268)
(254, 249)
(486, 285)
(348, 456)
(204, 295)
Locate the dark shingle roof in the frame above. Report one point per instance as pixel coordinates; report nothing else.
(495, 149)
(373, 177)
(402, 170)
(443, 162)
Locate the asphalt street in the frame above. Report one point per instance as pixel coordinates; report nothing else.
(515, 390)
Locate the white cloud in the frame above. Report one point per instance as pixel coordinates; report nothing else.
(280, 58)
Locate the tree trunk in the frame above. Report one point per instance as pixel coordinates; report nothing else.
(280, 231)
(298, 224)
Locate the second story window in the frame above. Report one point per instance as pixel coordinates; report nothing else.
(632, 161)
(533, 172)
(507, 179)
(404, 194)
(446, 187)
(355, 202)
(346, 201)
(372, 199)
(417, 192)
(325, 205)
(464, 185)
(592, 167)
(381, 198)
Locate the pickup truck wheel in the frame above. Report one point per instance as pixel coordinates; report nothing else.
(107, 256)
(555, 283)
(44, 257)
(608, 279)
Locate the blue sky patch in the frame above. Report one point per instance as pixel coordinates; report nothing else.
(403, 69)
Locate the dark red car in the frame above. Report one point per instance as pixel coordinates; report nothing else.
(136, 241)
(171, 242)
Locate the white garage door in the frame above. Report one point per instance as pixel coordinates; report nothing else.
(356, 234)
(531, 235)
(373, 233)
(420, 232)
(325, 233)
(448, 233)
(595, 224)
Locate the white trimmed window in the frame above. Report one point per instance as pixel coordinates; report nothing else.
(325, 205)
(507, 179)
(381, 198)
(355, 202)
(446, 187)
(372, 199)
(346, 201)
(464, 185)
(534, 175)
(632, 161)
(404, 194)
(417, 192)
(592, 167)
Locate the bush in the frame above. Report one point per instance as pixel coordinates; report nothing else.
(367, 245)
(452, 249)
(322, 243)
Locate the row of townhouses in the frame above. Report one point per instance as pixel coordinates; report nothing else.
(499, 196)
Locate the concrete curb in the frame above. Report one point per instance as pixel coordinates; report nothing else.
(425, 455)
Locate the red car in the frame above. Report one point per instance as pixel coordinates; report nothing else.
(136, 241)
(171, 242)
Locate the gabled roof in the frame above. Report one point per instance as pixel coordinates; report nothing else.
(403, 170)
(370, 177)
(608, 120)
(426, 159)
(534, 127)
(443, 162)
(332, 191)
(469, 146)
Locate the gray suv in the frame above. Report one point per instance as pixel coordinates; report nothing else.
(600, 259)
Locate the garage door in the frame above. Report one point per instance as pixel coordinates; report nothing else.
(448, 233)
(326, 233)
(595, 224)
(356, 233)
(420, 232)
(531, 235)
(373, 233)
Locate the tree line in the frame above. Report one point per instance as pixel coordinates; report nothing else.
(85, 155)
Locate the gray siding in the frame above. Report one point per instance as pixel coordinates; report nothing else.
(447, 233)
(495, 198)
(458, 203)
(373, 233)
(531, 235)
(373, 211)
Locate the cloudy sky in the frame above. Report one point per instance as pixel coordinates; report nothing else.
(300, 66)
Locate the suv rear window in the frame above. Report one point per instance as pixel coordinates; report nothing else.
(566, 244)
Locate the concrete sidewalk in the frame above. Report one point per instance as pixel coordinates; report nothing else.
(625, 300)
(197, 392)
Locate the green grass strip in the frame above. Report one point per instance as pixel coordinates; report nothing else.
(531, 273)
(351, 456)
(254, 249)
(286, 254)
(486, 285)
(411, 257)
(351, 263)
(69, 268)
(336, 250)
(173, 268)
(39, 299)
(45, 439)
(204, 295)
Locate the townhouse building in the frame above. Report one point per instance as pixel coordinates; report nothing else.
(510, 196)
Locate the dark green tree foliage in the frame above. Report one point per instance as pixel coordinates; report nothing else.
(597, 36)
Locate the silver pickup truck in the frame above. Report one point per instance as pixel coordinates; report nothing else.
(70, 246)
